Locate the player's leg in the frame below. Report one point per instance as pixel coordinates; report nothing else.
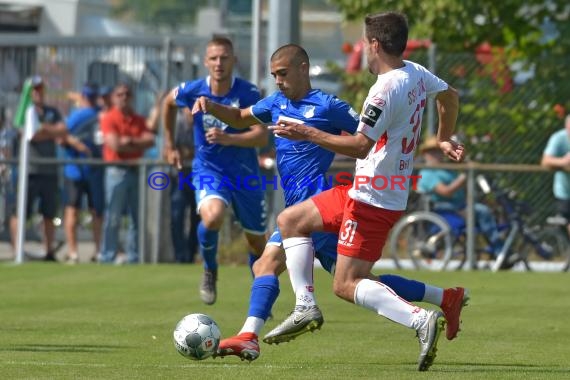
(264, 292)
(351, 284)
(451, 300)
(251, 211)
(359, 248)
(296, 224)
(212, 199)
(212, 212)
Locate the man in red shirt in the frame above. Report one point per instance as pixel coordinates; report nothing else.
(126, 136)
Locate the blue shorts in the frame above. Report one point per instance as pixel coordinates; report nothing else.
(248, 202)
(325, 244)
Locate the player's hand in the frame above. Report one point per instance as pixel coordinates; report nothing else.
(217, 136)
(453, 150)
(174, 158)
(290, 130)
(200, 105)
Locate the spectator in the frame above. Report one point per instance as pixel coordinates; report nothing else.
(183, 198)
(126, 136)
(8, 141)
(42, 134)
(556, 156)
(79, 180)
(447, 192)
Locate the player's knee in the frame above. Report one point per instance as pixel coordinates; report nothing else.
(289, 222)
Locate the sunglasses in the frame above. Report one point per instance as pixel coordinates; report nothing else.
(121, 94)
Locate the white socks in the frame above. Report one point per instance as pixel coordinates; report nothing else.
(300, 260)
(433, 295)
(252, 325)
(378, 297)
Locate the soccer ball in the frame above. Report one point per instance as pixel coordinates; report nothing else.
(197, 336)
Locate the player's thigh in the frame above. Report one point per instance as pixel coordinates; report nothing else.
(331, 205)
(364, 230)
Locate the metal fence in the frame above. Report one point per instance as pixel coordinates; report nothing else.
(155, 64)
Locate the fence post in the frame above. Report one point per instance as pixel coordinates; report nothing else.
(142, 213)
(470, 219)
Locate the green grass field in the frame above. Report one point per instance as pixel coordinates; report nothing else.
(107, 322)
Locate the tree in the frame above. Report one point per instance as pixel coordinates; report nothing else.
(534, 36)
(484, 47)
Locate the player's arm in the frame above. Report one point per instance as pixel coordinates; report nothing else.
(235, 117)
(169, 111)
(447, 109)
(256, 137)
(355, 146)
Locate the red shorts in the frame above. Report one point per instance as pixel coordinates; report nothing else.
(362, 229)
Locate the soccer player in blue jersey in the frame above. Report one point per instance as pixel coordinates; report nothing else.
(304, 166)
(223, 155)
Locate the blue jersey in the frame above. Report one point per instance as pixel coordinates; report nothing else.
(82, 123)
(226, 160)
(303, 165)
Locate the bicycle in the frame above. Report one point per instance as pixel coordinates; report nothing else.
(436, 240)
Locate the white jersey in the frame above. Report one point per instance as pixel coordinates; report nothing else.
(392, 116)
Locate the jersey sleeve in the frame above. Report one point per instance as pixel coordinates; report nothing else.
(184, 94)
(262, 109)
(434, 84)
(343, 116)
(376, 114)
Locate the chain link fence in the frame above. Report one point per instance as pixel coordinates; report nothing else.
(505, 117)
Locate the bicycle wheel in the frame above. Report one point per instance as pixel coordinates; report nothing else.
(552, 253)
(425, 238)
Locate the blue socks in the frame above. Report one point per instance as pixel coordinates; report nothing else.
(208, 240)
(410, 290)
(264, 292)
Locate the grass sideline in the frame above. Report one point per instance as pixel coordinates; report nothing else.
(107, 322)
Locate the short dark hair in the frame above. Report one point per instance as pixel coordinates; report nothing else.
(390, 29)
(221, 41)
(295, 52)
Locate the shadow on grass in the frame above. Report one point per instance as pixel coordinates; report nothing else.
(63, 348)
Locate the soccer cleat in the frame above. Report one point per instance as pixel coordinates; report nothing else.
(244, 345)
(453, 301)
(208, 287)
(428, 335)
(303, 319)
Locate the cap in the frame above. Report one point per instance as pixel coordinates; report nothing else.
(90, 90)
(105, 90)
(37, 81)
(429, 144)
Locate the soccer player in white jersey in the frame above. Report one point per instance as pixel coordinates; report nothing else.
(363, 213)
(300, 163)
